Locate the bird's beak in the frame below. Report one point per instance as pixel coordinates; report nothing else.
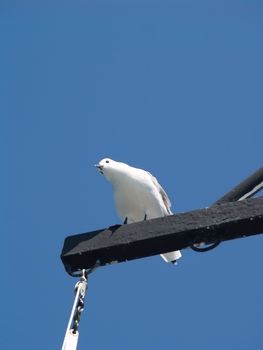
(100, 167)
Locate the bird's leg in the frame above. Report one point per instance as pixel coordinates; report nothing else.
(145, 217)
(125, 221)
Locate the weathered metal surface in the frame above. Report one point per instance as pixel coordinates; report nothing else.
(223, 222)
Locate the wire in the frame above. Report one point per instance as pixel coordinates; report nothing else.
(196, 248)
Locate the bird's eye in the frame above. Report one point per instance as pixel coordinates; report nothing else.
(107, 161)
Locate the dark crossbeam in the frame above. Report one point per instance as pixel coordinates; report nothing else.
(245, 189)
(222, 222)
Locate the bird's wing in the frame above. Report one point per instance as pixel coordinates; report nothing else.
(162, 192)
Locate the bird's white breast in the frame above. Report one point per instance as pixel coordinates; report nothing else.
(136, 196)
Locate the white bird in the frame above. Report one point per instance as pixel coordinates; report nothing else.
(138, 195)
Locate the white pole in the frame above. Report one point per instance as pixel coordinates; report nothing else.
(71, 337)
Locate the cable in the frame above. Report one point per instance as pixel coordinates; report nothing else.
(194, 246)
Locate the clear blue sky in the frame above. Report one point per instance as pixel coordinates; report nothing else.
(174, 87)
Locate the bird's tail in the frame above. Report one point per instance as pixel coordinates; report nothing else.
(172, 256)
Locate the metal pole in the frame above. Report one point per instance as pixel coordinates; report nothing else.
(245, 189)
(72, 334)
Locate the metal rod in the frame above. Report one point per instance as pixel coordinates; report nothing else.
(80, 292)
(72, 315)
(245, 189)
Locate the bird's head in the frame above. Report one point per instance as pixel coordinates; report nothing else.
(109, 167)
(104, 165)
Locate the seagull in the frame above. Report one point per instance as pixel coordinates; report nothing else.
(138, 195)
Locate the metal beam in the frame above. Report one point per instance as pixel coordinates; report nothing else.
(245, 189)
(222, 222)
